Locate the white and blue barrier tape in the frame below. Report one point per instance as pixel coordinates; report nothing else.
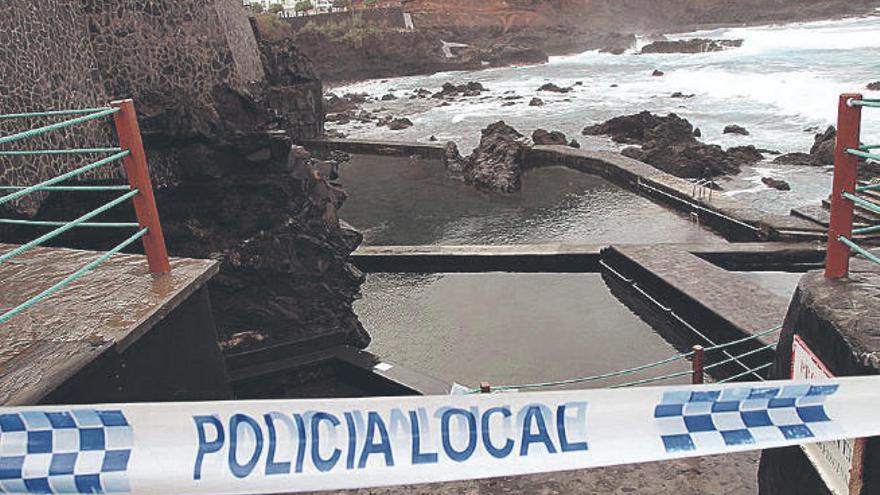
(286, 446)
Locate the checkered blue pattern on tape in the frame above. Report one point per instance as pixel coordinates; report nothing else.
(76, 451)
(694, 421)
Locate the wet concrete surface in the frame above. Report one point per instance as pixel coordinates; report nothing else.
(734, 474)
(110, 307)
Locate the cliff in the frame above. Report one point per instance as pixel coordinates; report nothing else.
(508, 32)
(219, 113)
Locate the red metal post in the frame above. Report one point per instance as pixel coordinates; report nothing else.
(698, 363)
(129, 133)
(849, 122)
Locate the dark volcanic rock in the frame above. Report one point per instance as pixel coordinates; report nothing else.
(736, 129)
(400, 124)
(691, 46)
(552, 88)
(496, 164)
(536, 102)
(776, 183)
(574, 143)
(679, 94)
(745, 154)
(824, 145)
(658, 73)
(796, 158)
(669, 144)
(501, 55)
(542, 136)
(874, 86)
(457, 166)
(821, 153)
(389, 97)
(448, 90)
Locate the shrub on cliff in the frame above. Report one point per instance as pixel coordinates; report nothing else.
(354, 30)
(272, 28)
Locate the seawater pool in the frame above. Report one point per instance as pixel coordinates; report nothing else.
(508, 328)
(400, 201)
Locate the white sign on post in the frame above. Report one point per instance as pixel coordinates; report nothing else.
(838, 463)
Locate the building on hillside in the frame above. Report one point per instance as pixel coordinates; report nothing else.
(288, 7)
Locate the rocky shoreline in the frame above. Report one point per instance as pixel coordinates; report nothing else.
(381, 52)
(670, 143)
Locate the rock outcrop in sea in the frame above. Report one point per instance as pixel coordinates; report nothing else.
(691, 46)
(545, 137)
(669, 143)
(495, 165)
(821, 153)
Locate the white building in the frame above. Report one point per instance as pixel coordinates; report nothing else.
(320, 6)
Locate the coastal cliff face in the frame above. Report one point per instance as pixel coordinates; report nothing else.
(219, 112)
(510, 32)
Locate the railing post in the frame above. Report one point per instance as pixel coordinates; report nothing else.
(698, 363)
(485, 388)
(849, 121)
(138, 173)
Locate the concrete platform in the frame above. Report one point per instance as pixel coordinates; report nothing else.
(104, 313)
(376, 147)
(726, 304)
(572, 258)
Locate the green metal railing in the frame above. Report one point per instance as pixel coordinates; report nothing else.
(629, 371)
(845, 196)
(130, 192)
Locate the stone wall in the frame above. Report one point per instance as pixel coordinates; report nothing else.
(182, 61)
(218, 112)
(46, 62)
(840, 321)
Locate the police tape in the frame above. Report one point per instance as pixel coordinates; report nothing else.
(284, 446)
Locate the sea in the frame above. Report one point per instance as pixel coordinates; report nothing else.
(782, 85)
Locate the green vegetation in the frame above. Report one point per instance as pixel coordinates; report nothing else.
(272, 27)
(276, 8)
(303, 6)
(370, 3)
(257, 8)
(341, 4)
(354, 30)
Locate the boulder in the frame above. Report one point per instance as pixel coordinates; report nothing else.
(824, 145)
(544, 137)
(497, 163)
(874, 86)
(574, 144)
(679, 94)
(746, 154)
(736, 129)
(449, 90)
(342, 104)
(776, 183)
(697, 45)
(658, 73)
(552, 88)
(821, 153)
(536, 102)
(796, 158)
(456, 165)
(399, 124)
(389, 97)
(669, 144)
